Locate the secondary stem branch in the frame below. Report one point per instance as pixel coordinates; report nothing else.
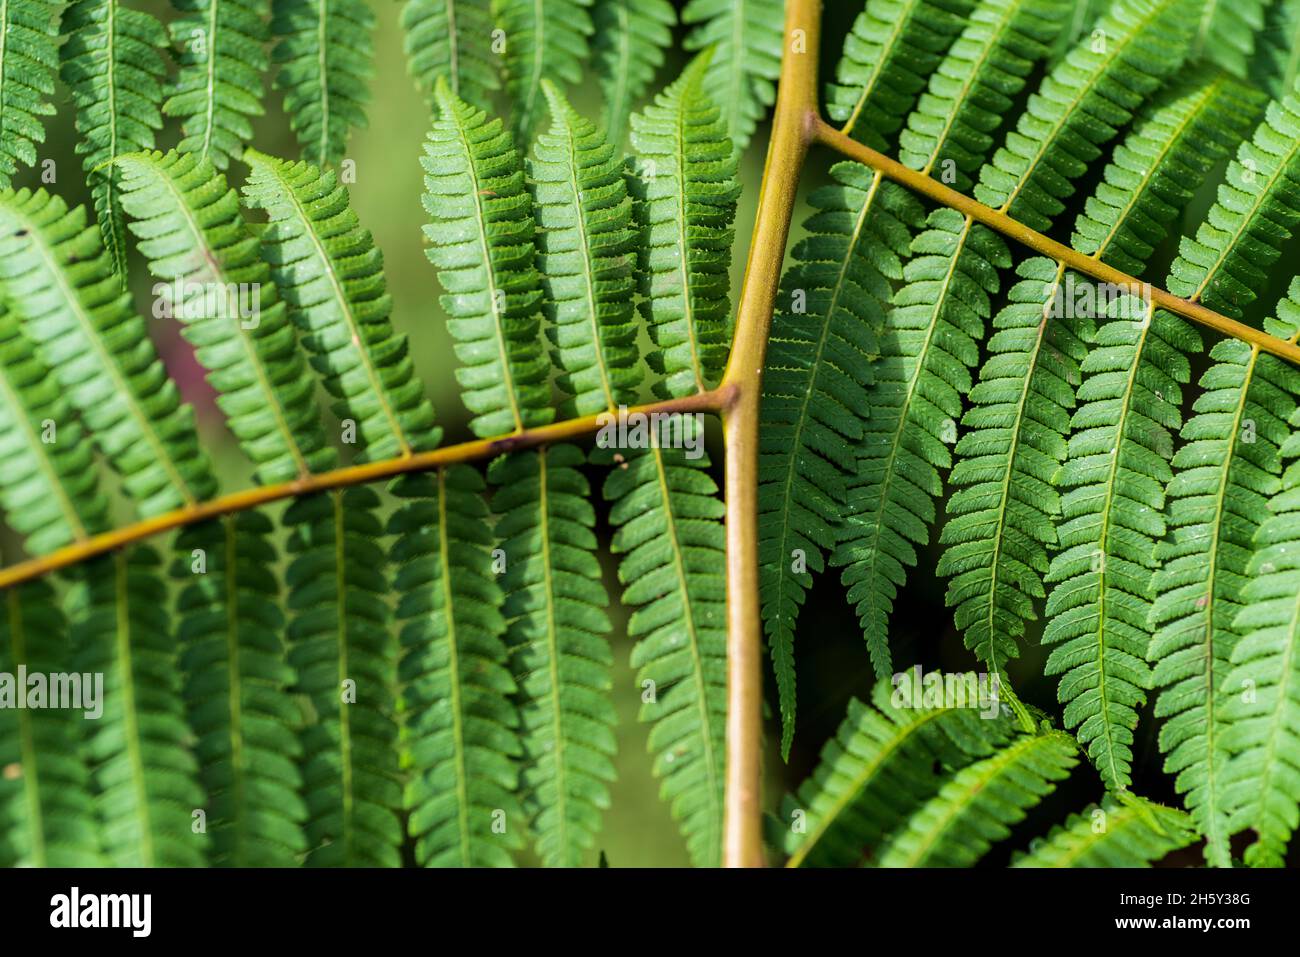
(946, 196)
(714, 401)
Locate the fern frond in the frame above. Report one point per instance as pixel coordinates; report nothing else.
(236, 691)
(746, 37)
(893, 47)
(687, 192)
(543, 41)
(628, 48)
(114, 65)
(1125, 831)
(669, 533)
(1224, 473)
(972, 84)
(949, 280)
(482, 241)
(330, 273)
(1258, 209)
(145, 778)
(47, 815)
(880, 765)
(1192, 125)
(1001, 514)
(223, 63)
(1118, 463)
(586, 257)
(461, 741)
(452, 39)
(188, 225)
(558, 639)
(1116, 467)
(49, 488)
(971, 90)
(928, 347)
(56, 278)
(977, 806)
(1260, 704)
(1080, 105)
(1002, 520)
(1226, 31)
(1276, 63)
(814, 406)
(29, 40)
(326, 53)
(345, 661)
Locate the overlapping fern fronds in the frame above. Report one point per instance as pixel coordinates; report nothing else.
(325, 53)
(939, 314)
(1002, 519)
(27, 69)
(223, 59)
(113, 64)
(1118, 463)
(686, 204)
(450, 39)
(746, 38)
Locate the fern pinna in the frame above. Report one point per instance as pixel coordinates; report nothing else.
(371, 651)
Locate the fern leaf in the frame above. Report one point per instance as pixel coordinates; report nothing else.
(1078, 107)
(557, 636)
(1125, 831)
(952, 273)
(449, 38)
(29, 37)
(1259, 706)
(190, 229)
(482, 239)
(462, 744)
(1000, 516)
(1191, 126)
(1118, 460)
(880, 765)
(686, 208)
(1276, 63)
(236, 691)
(893, 47)
(1116, 467)
(928, 347)
(814, 390)
(114, 66)
(746, 37)
(631, 37)
(1224, 473)
(58, 281)
(222, 66)
(47, 815)
(345, 661)
(669, 533)
(326, 53)
(977, 806)
(586, 242)
(1225, 33)
(49, 490)
(145, 779)
(330, 273)
(971, 89)
(543, 41)
(1002, 519)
